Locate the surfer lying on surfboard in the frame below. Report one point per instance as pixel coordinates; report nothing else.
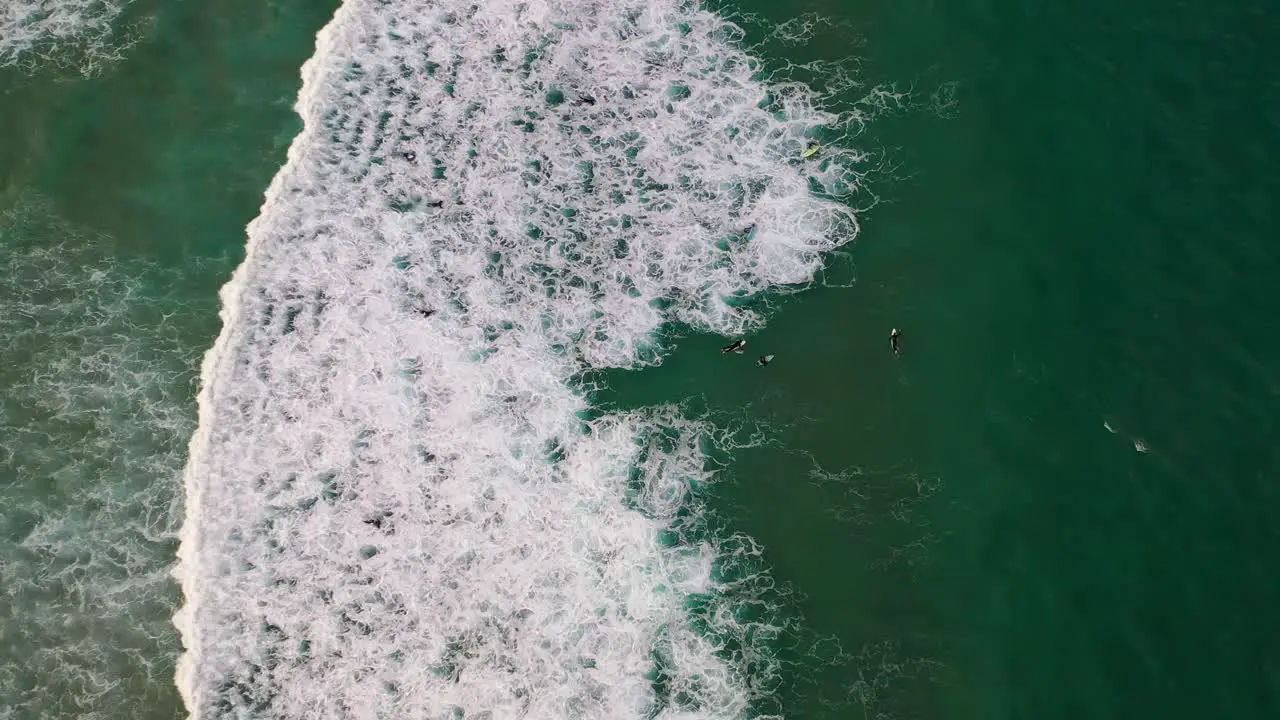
(735, 347)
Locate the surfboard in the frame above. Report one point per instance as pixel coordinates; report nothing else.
(810, 151)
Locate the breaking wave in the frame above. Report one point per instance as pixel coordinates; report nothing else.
(400, 503)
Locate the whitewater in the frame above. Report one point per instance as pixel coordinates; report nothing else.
(85, 35)
(399, 499)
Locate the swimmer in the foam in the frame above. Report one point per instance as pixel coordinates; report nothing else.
(736, 347)
(437, 203)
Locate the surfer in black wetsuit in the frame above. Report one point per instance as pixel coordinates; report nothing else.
(894, 336)
(764, 360)
(735, 347)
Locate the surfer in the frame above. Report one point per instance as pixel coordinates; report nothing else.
(435, 203)
(736, 347)
(893, 342)
(764, 360)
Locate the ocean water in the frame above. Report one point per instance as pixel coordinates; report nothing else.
(79, 35)
(445, 433)
(122, 206)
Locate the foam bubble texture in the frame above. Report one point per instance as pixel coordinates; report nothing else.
(394, 508)
(97, 378)
(39, 26)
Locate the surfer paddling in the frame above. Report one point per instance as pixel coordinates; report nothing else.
(736, 347)
(894, 336)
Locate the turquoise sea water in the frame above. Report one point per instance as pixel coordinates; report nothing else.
(1075, 235)
(122, 205)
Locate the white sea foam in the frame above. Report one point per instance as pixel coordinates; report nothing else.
(395, 505)
(45, 28)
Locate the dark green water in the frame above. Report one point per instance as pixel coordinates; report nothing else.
(1085, 236)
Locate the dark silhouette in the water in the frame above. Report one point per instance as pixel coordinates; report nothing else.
(435, 203)
(380, 521)
(425, 312)
(764, 360)
(735, 347)
(893, 342)
(410, 156)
